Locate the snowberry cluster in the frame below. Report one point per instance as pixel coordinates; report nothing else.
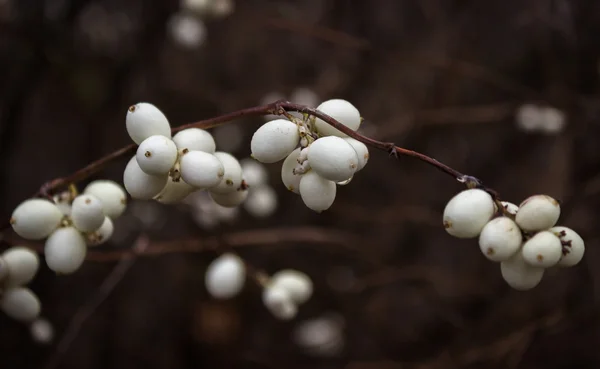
(282, 293)
(71, 223)
(168, 169)
(316, 157)
(524, 239)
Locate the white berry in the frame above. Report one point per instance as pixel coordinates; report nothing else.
(279, 302)
(140, 185)
(102, 234)
(156, 155)
(87, 213)
(362, 151)
(500, 239)
(333, 158)
(468, 212)
(232, 177)
(261, 202)
(195, 139)
(111, 194)
(298, 284)
(537, 213)
(65, 250)
(340, 110)
(255, 173)
(174, 192)
(542, 250)
(288, 177)
(317, 192)
(144, 120)
(230, 199)
(510, 207)
(21, 264)
(20, 303)
(42, 331)
(201, 169)
(575, 250)
(274, 140)
(225, 276)
(520, 275)
(35, 219)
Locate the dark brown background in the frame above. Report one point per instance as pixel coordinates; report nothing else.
(439, 76)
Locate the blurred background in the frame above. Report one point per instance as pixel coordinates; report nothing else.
(505, 90)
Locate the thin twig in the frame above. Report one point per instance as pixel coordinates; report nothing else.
(105, 289)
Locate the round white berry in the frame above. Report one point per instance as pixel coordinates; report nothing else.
(279, 302)
(537, 213)
(22, 264)
(20, 303)
(195, 139)
(140, 185)
(225, 276)
(174, 192)
(230, 199)
(156, 155)
(102, 234)
(362, 151)
(42, 331)
(274, 140)
(321, 336)
(298, 284)
(261, 201)
(232, 177)
(520, 275)
(500, 239)
(255, 173)
(574, 246)
(35, 219)
(333, 158)
(63, 202)
(510, 207)
(87, 213)
(468, 212)
(340, 110)
(111, 194)
(290, 179)
(65, 250)
(144, 120)
(542, 250)
(201, 169)
(317, 192)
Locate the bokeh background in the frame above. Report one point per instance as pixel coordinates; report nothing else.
(505, 90)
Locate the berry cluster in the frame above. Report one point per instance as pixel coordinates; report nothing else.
(316, 156)
(282, 293)
(168, 169)
(524, 239)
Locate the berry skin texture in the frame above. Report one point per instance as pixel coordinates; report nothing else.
(468, 212)
(290, 180)
(195, 139)
(274, 140)
(500, 239)
(362, 151)
(542, 250)
(297, 284)
(279, 302)
(65, 250)
(333, 158)
(340, 110)
(87, 213)
(102, 234)
(141, 185)
(144, 120)
(22, 265)
(230, 199)
(520, 275)
(537, 213)
(20, 304)
(111, 194)
(232, 177)
(225, 276)
(576, 249)
(174, 192)
(317, 192)
(35, 219)
(156, 155)
(201, 169)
